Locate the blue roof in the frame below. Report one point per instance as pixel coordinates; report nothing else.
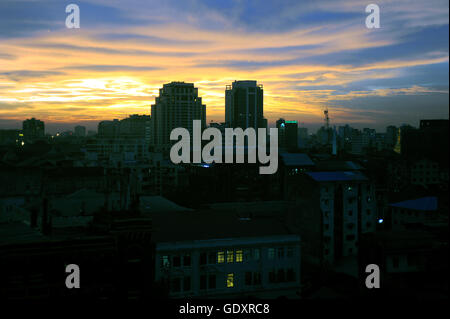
(296, 159)
(337, 176)
(424, 203)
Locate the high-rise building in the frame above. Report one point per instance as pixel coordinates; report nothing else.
(391, 136)
(244, 105)
(80, 131)
(287, 134)
(177, 105)
(33, 129)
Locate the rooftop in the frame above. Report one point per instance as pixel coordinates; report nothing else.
(425, 204)
(337, 176)
(296, 159)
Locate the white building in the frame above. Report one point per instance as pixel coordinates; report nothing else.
(219, 255)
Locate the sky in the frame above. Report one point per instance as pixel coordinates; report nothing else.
(309, 55)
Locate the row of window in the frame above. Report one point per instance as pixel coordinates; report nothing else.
(228, 256)
(209, 281)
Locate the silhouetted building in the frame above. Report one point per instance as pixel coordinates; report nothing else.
(177, 105)
(244, 105)
(287, 134)
(80, 131)
(33, 129)
(11, 137)
(109, 129)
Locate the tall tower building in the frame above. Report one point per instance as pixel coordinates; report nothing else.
(177, 105)
(244, 105)
(33, 129)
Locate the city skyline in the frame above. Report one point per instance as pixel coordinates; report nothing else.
(308, 56)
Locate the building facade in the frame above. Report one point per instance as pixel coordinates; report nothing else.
(177, 105)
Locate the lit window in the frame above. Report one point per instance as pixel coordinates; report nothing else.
(220, 257)
(230, 280)
(239, 256)
(230, 255)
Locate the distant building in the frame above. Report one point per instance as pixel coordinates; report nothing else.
(391, 136)
(80, 131)
(420, 210)
(302, 137)
(244, 105)
(177, 105)
(33, 129)
(136, 126)
(287, 134)
(11, 137)
(109, 129)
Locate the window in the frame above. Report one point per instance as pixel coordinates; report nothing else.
(220, 257)
(211, 258)
(368, 212)
(203, 259)
(280, 275)
(368, 224)
(256, 278)
(247, 254)
(256, 254)
(248, 278)
(290, 252)
(176, 261)
(187, 260)
(203, 282)
(350, 237)
(290, 276)
(212, 282)
(239, 256)
(395, 261)
(272, 277)
(165, 261)
(350, 213)
(271, 253)
(326, 226)
(411, 259)
(187, 283)
(230, 256)
(176, 285)
(280, 252)
(230, 280)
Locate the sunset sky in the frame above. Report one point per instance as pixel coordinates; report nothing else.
(308, 55)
